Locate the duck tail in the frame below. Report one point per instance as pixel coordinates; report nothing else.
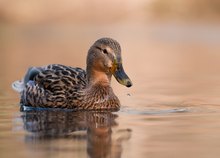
(19, 85)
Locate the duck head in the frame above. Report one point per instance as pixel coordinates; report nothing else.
(104, 60)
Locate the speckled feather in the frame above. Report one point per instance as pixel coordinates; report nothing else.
(59, 86)
(55, 86)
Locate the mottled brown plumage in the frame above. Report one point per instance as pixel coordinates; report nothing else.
(59, 86)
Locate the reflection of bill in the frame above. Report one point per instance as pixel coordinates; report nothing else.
(91, 128)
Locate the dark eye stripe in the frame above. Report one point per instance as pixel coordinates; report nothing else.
(104, 50)
(98, 48)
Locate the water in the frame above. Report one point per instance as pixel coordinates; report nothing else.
(171, 111)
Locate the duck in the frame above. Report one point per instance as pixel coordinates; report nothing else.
(66, 87)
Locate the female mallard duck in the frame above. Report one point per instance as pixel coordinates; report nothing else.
(59, 86)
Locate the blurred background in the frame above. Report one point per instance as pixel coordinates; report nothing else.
(170, 48)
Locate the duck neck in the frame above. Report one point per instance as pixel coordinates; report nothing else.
(95, 77)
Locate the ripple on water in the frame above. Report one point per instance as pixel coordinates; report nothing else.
(176, 108)
(154, 112)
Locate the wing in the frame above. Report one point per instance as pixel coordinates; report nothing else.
(58, 76)
(55, 86)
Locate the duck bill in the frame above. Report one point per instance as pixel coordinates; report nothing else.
(121, 76)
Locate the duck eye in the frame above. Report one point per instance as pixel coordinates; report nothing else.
(105, 51)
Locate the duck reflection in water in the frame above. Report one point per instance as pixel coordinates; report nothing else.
(91, 128)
